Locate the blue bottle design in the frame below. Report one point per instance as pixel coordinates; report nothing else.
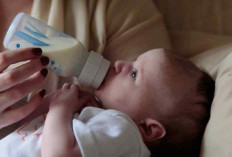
(30, 39)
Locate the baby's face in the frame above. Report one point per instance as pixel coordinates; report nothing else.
(150, 85)
(130, 87)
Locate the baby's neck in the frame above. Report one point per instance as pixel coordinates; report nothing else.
(98, 102)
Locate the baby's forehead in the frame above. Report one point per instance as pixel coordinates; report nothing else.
(168, 75)
(163, 58)
(173, 60)
(159, 54)
(161, 62)
(157, 65)
(168, 66)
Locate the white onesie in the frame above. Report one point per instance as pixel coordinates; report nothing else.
(99, 133)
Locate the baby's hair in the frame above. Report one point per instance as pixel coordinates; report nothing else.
(185, 128)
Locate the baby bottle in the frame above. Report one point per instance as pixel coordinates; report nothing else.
(67, 56)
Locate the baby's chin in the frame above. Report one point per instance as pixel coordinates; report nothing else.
(98, 98)
(96, 92)
(100, 93)
(99, 89)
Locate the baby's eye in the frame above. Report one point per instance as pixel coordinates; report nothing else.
(134, 73)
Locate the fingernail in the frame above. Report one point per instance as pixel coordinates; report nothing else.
(42, 93)
(44, 72)
(37, 51)
(44, 60)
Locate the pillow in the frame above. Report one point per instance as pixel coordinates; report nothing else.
(210, 60)
(198, 25)
(217, 140)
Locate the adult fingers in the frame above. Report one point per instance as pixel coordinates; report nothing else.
(11, 116)
(10, 57)
(11, 78)
(16, 93)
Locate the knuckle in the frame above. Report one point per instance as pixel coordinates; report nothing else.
(16, 94)
(3, 59)
(11, 77)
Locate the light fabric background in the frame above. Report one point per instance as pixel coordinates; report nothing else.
(194, 28)
(123, 29)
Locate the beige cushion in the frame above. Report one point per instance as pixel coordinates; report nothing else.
(195, 26)
(210, 60)
(217, 141)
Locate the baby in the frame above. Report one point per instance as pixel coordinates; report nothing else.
(157, 105)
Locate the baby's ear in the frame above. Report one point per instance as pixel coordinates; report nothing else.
(151, 130)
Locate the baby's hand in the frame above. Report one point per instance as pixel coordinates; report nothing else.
(68, 99)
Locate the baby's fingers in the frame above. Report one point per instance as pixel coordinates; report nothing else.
(84, 99)
(11, 116)
(94, 103)
(74, 87)
(82, 103)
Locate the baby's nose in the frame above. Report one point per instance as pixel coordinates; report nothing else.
(119, 65)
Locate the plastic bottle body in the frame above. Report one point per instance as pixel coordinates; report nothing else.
(68, 61)
(67, 56)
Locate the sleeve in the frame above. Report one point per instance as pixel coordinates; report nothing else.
(107, 134)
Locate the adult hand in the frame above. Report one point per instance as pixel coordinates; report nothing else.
(17, 83)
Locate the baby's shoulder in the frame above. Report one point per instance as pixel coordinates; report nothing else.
(94, 113)
(111, 130)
